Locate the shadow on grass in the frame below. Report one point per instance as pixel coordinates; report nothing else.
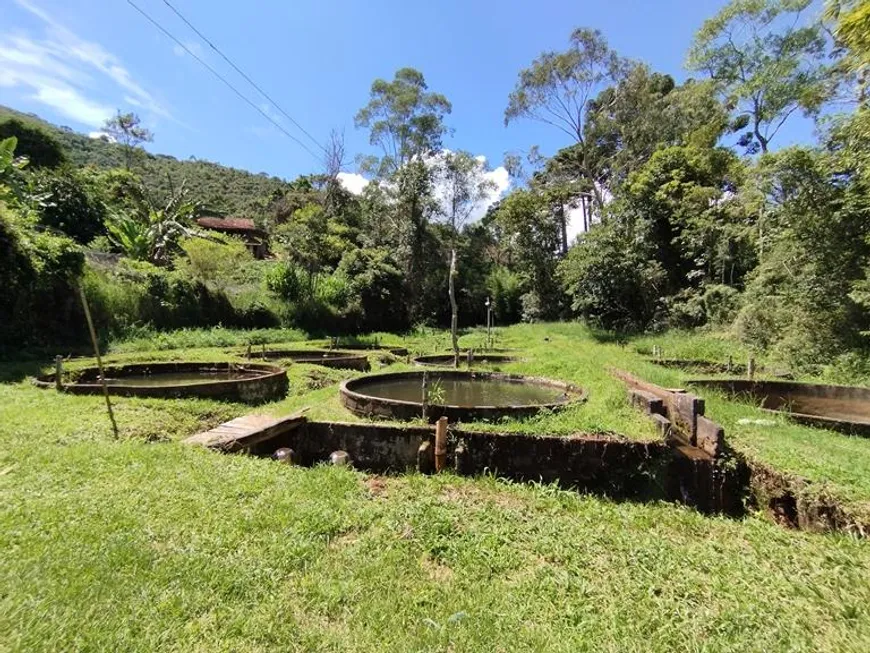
(18, 371)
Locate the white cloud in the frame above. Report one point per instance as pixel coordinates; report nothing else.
(72, 104)
(353, 182)
(192, 46)
(502, 180)
(76, 77)
(101, 135)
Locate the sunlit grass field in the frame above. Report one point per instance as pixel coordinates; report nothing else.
(146, 544)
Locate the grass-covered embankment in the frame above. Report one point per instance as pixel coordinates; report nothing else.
(145, 544)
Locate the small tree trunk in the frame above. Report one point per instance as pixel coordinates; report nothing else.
(454, 309)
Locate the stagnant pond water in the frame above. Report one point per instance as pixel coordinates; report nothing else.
(465, 392)
(177, 378)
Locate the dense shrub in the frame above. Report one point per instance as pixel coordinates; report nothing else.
(505, 293)
(612, 280)
(38, 272)
(375, 290)
(41, 148)
(72, 205)
(137, 294)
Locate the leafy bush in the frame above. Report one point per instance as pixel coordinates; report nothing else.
(134, 294)
(39, 146)
(38, 272)
(612, 280)
(72, 205)
(375, 290)
(505, 292)
(285, 280)
(214, 262)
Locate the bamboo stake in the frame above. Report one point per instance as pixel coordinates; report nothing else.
(99, 359)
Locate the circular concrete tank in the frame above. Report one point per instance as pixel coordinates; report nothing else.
(457, 395)
(836, 407)
(248, 382)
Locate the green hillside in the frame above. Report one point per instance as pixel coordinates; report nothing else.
(223, 189)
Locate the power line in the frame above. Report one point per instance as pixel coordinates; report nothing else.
(221, 78)
(242, 73)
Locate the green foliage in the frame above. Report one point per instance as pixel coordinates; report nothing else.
(223, 190)
(375, 290)
(134, 295)
(504, 288)
(613, 280)
(851, 26)
(73, 204)
(308, 241)
(816, 249)
(153, 234)
(404, 119)
(130, 236)
(38, 271)
(680, 198)
(286, 281)
(767, 65)
(40, 147)
(532, 238)
(127, 129)
(214, 262)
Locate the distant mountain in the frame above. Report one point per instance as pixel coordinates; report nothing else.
(225, 190)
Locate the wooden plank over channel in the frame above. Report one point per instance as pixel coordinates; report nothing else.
(246, 431)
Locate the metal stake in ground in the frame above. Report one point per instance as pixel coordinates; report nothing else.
(99, 359)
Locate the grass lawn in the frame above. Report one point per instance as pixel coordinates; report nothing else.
(146, 544)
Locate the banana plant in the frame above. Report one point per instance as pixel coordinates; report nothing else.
(154, 233)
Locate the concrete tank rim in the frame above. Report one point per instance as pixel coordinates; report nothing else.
(270, 372)
(579, 393)
(484, 357)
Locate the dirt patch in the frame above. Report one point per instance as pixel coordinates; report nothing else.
(794, 502)
(435, 570)
(344, 540)
(466, 494)
(376, 487)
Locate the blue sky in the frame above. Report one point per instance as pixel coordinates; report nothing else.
(75, 61)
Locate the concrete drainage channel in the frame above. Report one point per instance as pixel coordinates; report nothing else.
(691, 464)
(598, 463)
(700, 444)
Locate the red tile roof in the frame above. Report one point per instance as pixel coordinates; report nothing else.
(228, 224)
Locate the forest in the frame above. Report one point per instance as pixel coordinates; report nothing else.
(694, 217)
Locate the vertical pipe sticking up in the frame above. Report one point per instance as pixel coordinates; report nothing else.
(440, 444)
(99, 359)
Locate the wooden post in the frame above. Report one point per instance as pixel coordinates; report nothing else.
(750, 369)
(248, 354)
(730, 363)
(470, 357)
(99, 359)
(58, 372)
(440, 444)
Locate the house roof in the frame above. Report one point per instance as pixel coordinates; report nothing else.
(228, 224)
